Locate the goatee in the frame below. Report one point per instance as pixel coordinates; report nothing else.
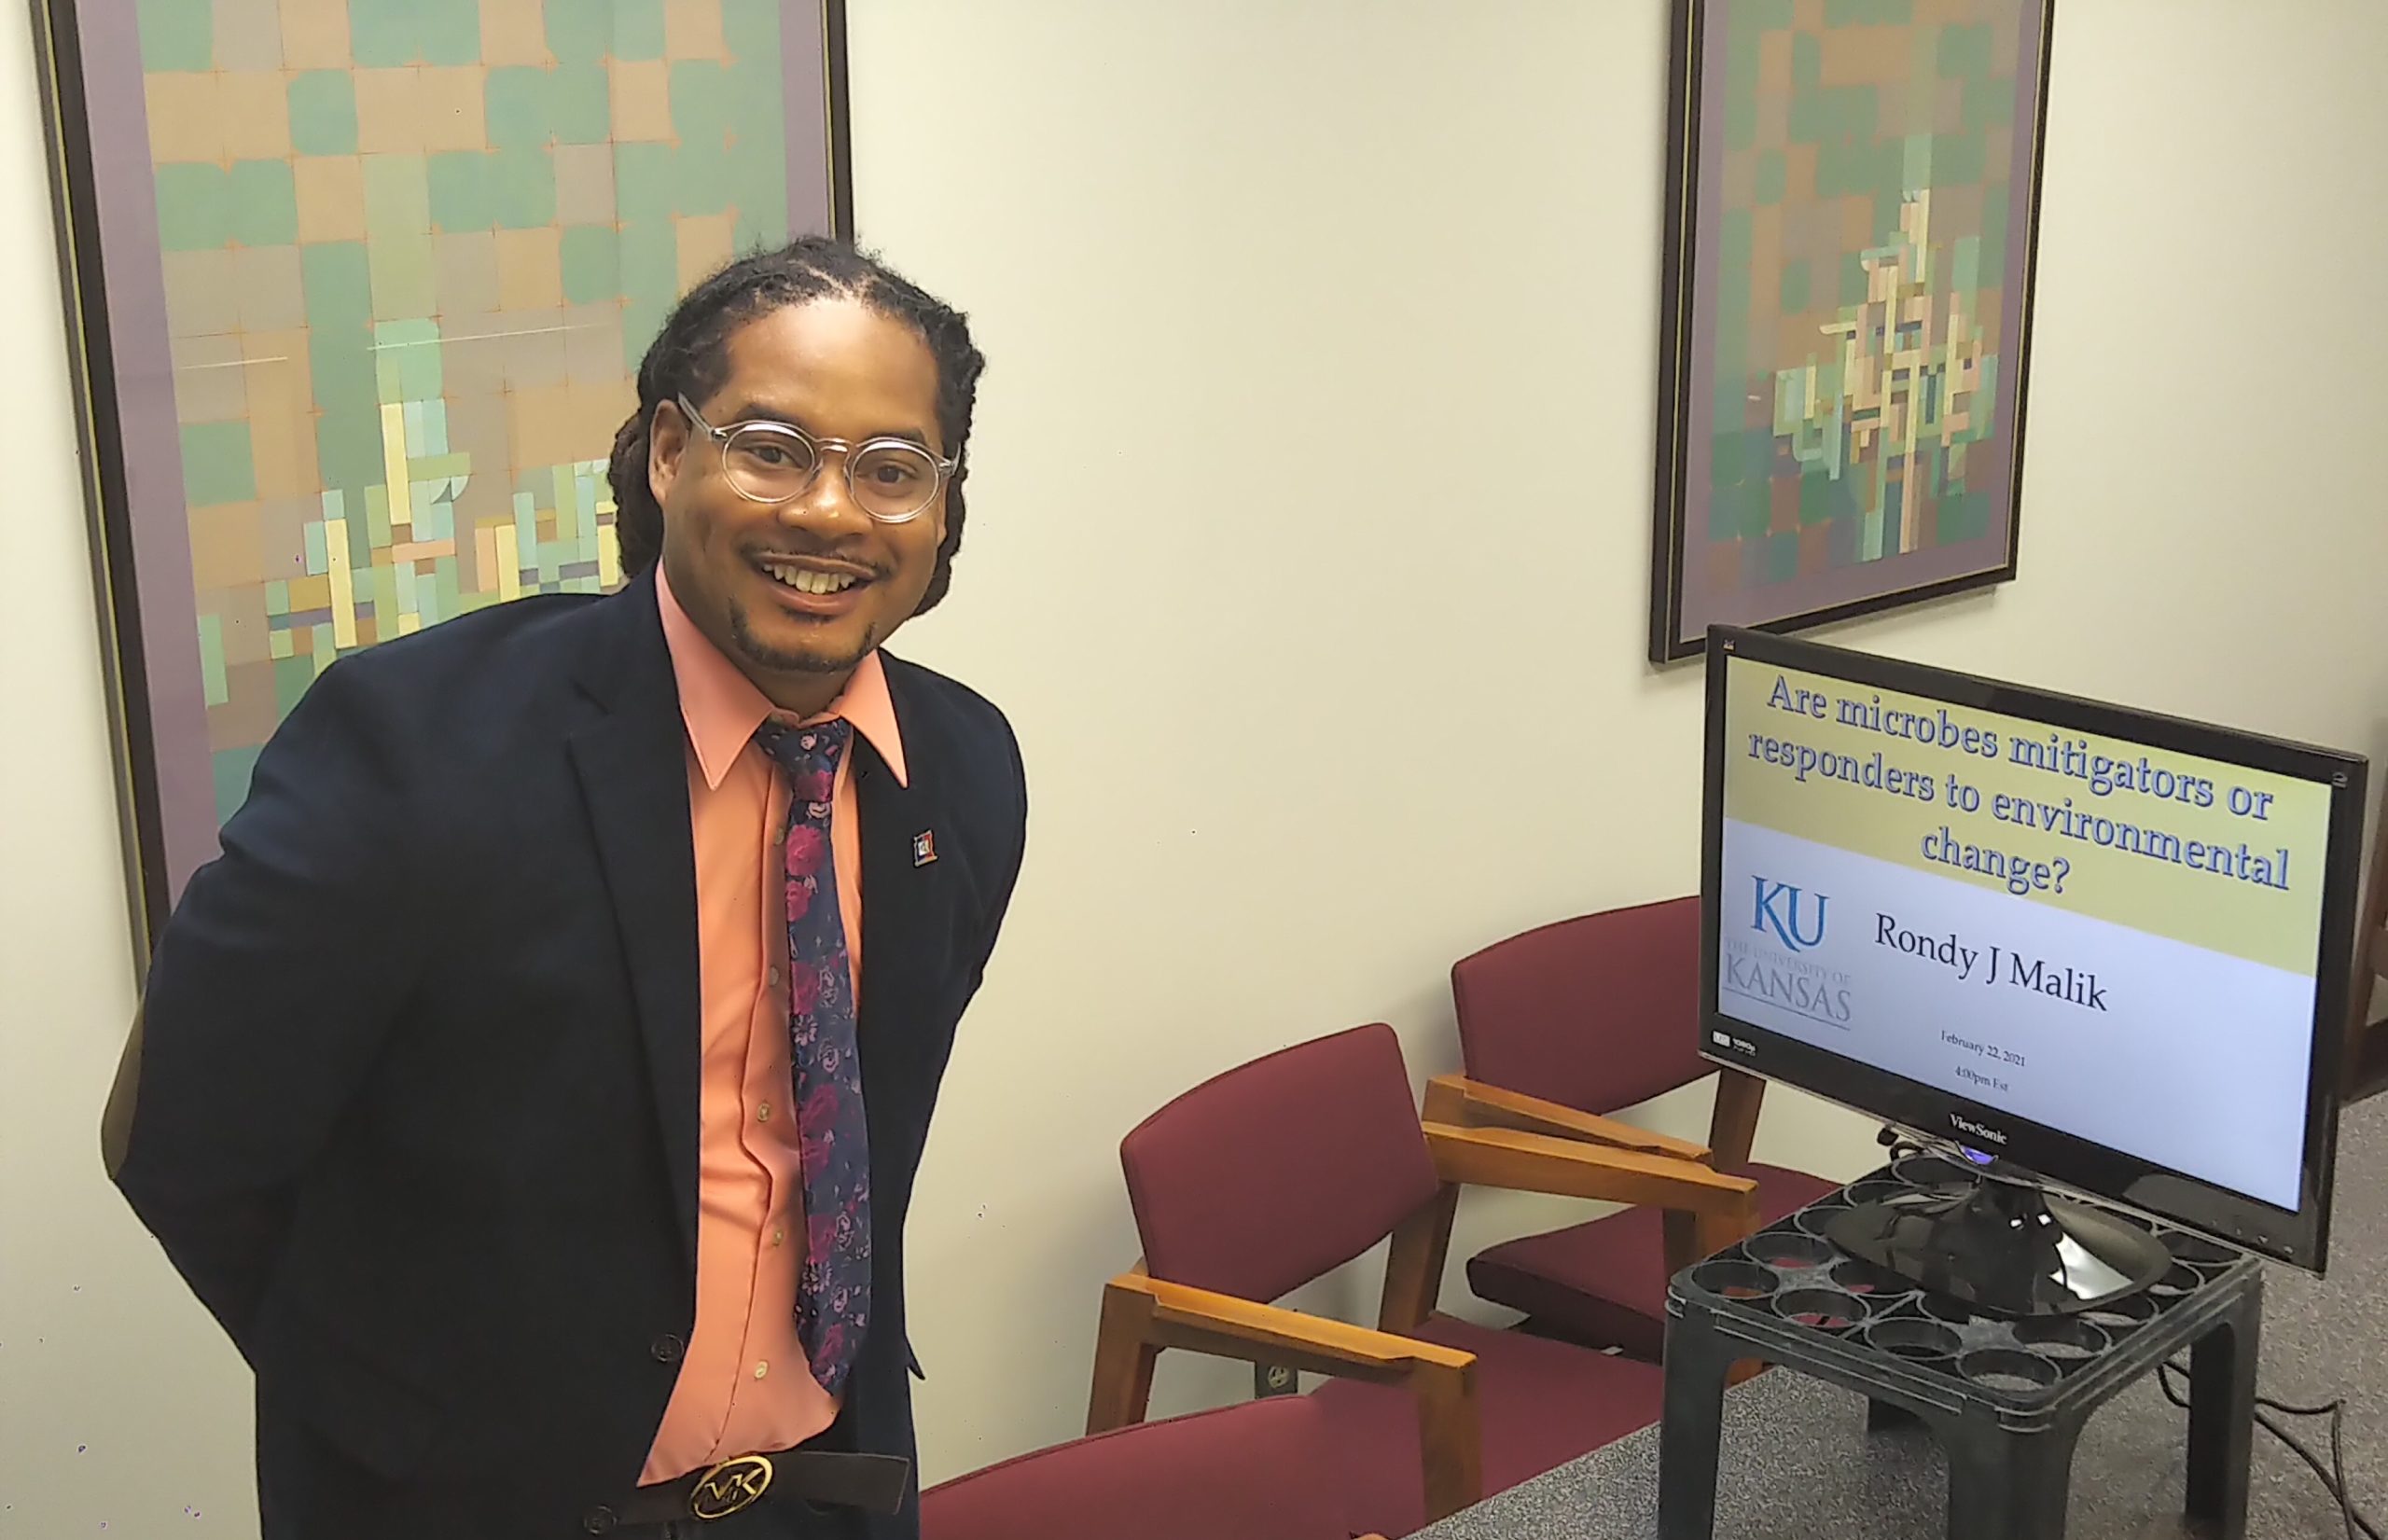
(788, 660)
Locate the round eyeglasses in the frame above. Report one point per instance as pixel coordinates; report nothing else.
(890, 479)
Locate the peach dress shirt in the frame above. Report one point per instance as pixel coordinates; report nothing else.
(745, 1385)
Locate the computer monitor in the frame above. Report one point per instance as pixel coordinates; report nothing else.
(2105, 953)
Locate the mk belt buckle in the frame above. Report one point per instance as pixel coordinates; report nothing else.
(731, 1486)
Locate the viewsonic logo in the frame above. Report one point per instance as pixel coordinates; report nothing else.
(1966, 1125)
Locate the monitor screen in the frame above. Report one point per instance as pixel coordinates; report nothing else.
(2102, 943)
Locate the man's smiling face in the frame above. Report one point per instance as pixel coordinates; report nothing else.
(797, 593)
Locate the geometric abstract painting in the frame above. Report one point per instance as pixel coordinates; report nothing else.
(1847, 307)
(362, 290)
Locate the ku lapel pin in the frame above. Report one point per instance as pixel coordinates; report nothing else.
(923, 847)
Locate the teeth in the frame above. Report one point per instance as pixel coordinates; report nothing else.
(805, 580)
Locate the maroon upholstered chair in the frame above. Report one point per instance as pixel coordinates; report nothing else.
(1274, 1173)
(1249, 1472)
(1558, 1027)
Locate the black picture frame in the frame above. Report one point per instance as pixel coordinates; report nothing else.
(1685, 597)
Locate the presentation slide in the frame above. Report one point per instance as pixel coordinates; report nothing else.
(2102, 937)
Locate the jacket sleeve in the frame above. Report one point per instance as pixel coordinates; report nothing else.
(271, 988)
(1015, 851)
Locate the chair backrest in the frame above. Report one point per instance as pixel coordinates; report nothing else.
(1264, 1177)
(1596, 1013)
(1254, 1471)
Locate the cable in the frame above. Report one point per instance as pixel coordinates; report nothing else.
(2334, 1479)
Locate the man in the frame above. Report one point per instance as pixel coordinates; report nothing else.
(533, 1087)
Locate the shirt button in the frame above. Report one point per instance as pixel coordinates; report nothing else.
(667, 1349)
(762, 1369)
(763, 1113)
(599, 1520)
(779, 1236)
(772, 977)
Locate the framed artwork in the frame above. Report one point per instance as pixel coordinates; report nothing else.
(358, 292)
(1853, 201)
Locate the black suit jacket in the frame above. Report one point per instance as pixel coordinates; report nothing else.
(417, 1079)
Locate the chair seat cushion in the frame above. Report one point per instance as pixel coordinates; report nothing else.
(1247, 1470)
(1540, 1403)
(1604, 1282)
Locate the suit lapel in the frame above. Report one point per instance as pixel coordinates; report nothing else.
(633, 778)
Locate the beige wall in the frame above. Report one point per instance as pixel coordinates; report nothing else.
(1309, 713)
(119, 1404)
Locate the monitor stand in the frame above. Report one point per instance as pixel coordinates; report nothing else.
(2005, 1246)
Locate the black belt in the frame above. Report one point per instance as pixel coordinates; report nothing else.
(875, 1483)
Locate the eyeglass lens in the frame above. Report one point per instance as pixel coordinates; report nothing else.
(770, 464)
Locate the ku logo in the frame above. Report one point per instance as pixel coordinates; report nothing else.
(1779, 909)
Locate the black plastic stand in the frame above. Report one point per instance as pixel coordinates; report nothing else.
(2006, 1398)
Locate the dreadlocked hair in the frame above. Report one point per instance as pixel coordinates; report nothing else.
(690, 356)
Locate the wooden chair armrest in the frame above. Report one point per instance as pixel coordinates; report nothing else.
(1539, 1162)
(1705, 1210)
(1142, 1315)
(1224, 1326)
(1457, 1100)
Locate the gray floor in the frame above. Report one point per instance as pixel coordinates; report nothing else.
(1798, 1461)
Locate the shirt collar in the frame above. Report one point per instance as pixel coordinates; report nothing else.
(721, 708)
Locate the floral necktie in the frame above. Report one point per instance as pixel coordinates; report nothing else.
(833, 1292)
